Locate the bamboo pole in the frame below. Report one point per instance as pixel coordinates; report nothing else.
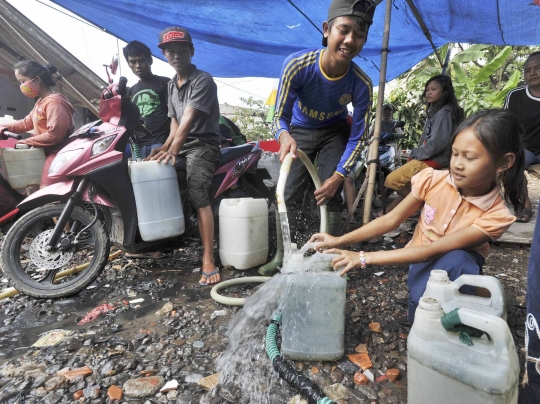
(374, 149)
(10, 292)
(35, 55)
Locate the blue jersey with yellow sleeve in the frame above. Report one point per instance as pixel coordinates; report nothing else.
(308, 98)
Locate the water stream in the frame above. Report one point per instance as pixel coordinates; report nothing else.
(286, 235)
(244, 368)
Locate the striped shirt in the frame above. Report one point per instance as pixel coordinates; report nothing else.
(308, 98)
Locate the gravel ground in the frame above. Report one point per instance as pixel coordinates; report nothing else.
(178, 331)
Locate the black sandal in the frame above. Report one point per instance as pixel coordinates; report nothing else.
(525, 215)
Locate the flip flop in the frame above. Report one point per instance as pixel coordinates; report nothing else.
(529, 213)
(207, 275)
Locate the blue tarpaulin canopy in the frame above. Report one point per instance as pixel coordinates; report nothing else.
(239, 38)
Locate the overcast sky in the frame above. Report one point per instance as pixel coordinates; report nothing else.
(95, 48)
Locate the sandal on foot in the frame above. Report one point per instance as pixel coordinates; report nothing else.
(208, 275)
(525, 216)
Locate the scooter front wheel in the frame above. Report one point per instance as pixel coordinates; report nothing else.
(36, 271)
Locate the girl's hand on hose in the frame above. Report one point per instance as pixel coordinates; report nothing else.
(324, 240)
(346, 260)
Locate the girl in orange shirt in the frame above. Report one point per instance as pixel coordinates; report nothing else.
(52, 116)
(462, 207)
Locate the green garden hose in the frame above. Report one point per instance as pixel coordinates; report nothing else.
(302, 384)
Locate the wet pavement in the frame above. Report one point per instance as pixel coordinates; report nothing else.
(138, 350)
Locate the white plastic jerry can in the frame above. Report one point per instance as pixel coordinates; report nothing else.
(443, 370)
(23, 167)
(243, 232)
(447, 293)
(157, 196)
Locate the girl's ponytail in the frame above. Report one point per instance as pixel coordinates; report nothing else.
(512, 182)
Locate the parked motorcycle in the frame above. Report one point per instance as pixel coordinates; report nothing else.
(93, 198)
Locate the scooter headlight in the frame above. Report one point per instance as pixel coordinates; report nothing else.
(102, 144)
(61, 158)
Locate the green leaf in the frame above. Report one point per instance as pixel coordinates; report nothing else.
(491, 67)
(512, 82)
(461, 76)
(468, 55)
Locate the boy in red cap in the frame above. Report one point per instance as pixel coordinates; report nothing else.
(194, 135)
(315, 88)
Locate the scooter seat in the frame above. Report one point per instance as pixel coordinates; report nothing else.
(231, 153)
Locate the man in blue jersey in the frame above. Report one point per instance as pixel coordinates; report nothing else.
(315, 88)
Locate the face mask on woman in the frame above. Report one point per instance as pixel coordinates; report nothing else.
(30, 88)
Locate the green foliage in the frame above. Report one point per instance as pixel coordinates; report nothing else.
(482, 76)
(251, 119)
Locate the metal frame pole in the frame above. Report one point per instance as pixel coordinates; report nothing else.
(425, 30)
(374, 149)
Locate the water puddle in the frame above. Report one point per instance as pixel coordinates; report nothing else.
(19, 330)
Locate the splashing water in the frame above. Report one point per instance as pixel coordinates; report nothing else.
(286, 235)
(245, 365)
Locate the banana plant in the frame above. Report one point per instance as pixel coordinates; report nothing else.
(473, 90)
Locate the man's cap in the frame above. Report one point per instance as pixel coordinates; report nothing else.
(174, 34)
(388, 105)
(365, 9)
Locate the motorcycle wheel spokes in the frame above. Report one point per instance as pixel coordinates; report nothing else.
(38, 271)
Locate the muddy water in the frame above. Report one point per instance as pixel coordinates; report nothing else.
(22, 325)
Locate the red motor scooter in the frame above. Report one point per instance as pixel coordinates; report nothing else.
(94, 198)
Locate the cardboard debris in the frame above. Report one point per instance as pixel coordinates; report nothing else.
(392, 374)
(361, 348)
(52, 338)
(209, 382)
(361, 360)
(360, 378)
(375, 327)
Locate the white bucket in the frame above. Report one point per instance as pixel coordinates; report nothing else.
(243, 232)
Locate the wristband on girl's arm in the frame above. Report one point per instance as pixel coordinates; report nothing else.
(362, 260)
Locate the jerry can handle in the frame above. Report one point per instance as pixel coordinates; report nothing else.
(495, 326)
(489, 282)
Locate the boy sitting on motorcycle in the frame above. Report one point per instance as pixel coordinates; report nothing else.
(194, 135)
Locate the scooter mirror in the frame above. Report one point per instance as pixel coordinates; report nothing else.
(399, 124)
(114, 64)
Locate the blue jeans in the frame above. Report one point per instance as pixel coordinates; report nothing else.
(456, 263)
(530, 394)
(145, 150)
(531, 158)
